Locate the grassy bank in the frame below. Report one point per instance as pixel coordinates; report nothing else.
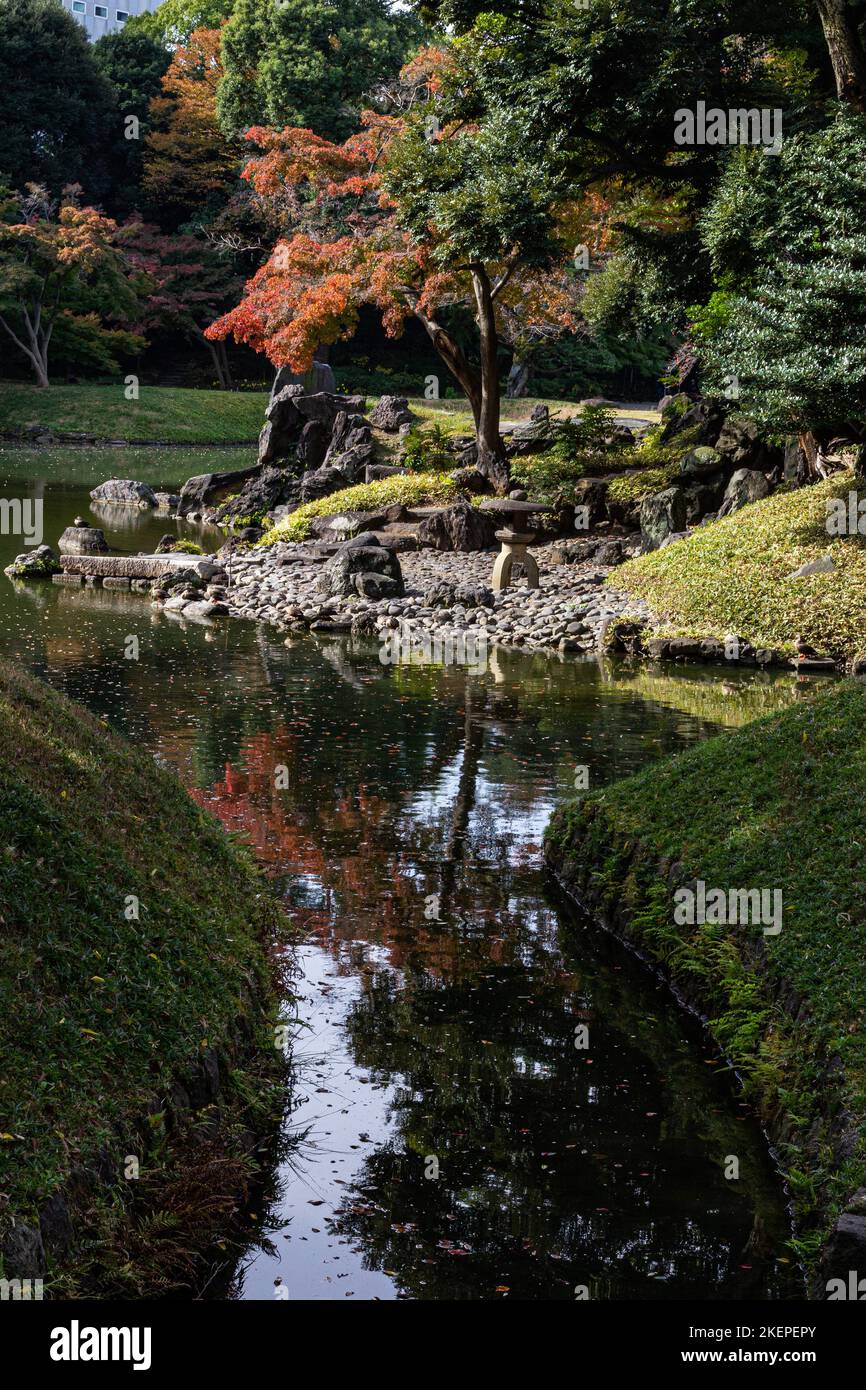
(734, 576)
(133, 978)
(775, 805)
(170, 413)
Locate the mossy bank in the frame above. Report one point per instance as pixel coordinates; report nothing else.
(775, 806)
(137, 1003)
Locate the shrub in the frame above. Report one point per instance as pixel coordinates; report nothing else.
(410, 489)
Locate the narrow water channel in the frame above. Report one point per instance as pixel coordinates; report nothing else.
(449, 1138)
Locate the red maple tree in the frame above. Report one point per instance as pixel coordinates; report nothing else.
(347, 244)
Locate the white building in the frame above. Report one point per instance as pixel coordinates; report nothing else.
(107, 17)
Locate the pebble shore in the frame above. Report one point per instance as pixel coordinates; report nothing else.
(567, 613)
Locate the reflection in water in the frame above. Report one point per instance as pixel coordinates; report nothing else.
(459, 1142)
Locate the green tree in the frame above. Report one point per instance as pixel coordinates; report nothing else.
(308, 62)
(56, 106)
(134, 64)
(787, 321)
(62, 270)
(175, 20)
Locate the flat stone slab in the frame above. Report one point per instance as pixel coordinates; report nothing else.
(130, 566)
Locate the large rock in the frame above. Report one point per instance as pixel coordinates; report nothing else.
(700, 462)
(741, 444)
(375, 472)
(83, 540)
(390, 413)
(206, 489)
(283, 425)
(469, 479)
(592, 494)
(702, 497)
(530, 437)
(319, 378)
(368, 570)
(124, 492)
(747, 485)
(291, 409)
(321, 482)
(352, 447)
(446, 595)
(39, 563)
(661, 515)
(313, 444)
(274, 487)
(461, 527)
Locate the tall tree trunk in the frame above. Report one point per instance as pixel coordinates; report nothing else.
(842, 36)
(518, 379)
(481, 388)
(492, 459)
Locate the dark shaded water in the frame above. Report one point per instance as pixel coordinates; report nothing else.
(452, 1139)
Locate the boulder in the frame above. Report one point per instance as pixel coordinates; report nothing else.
(701, 462)
(39, 563)
(592, 494)
(290, 409)
(320, 377)
(446, 595)
(167, 501)
(83, 540)
(529, 437)
(347, 524)
(205, 489)
(702, 416)
(661, 515)
(352, 447)
(376, 471)
(603, 551)
(313, 444)
(747, 485)
(741, 444)
(321, 482)
(461, 527)
(273, 487)
(702, 498)
(390, 413)
(368, 570)
(124, 492)
(470, 479)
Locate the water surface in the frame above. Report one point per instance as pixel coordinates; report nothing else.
(450, 1139)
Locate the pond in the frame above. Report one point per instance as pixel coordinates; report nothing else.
(452, 1137)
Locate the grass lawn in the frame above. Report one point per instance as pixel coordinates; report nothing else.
(775, 805)
(733, 576)
(171, 413)
(161, 468)
(101, 1011)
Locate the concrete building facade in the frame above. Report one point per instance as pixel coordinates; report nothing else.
(107, 16)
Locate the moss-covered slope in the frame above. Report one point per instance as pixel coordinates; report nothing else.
(777, 805)
(132, 950)
(734, 575)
